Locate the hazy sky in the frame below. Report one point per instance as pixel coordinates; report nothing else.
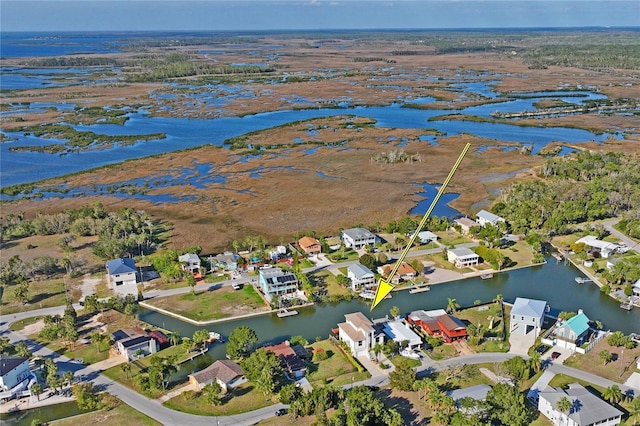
(111, 15)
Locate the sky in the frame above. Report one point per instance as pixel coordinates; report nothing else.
(242, 15)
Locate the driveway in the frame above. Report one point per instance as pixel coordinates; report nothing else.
(520, 343)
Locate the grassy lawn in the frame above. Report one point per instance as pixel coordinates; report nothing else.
(223, 302)
(87, 352)
(327, 280)
(444, 351)
(336, 369)
(42, 294)
(140, 366)
(520, 253)
(122, 414)
(402, 360)
(481, 315)
(242, 399)
(20, 324)
(448, 238)
(618, 370)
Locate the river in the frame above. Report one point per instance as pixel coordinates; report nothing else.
(553, 282)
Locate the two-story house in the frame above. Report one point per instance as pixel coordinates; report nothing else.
(360, 276)
(358, 238)
(276, 282)
(462, 257)
(189, 262)
(484, 217)
(14, 375)
(122, 276)
(359, 334)
(585, 408)
(573, 332)
(527, 316)
(309, 245)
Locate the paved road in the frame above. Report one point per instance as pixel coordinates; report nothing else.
(608, 225)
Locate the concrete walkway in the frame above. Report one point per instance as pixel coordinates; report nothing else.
(540, 385)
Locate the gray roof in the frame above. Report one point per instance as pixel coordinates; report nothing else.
(488, 216)
(8, 363)
(358, 233)
(359, 270)
(477, 392)
(463, 252)
(123, 265)
(189, 257)
(529, 307)
(586, 408)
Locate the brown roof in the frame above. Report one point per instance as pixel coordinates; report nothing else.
(224, 370)
(465, 221)
(306, 242)
(355, 335)
(287, 355)
(405, 269)
(359, 321)
(450, 322)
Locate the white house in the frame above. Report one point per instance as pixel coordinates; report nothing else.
(462, 257)
(586, 408)
(465, 224)
(425, 237)
(484, 217)
(122, 276)
(604, 248)
(360, 276)
(573, 332)
(128, 343)
(189, 262)
(14, 372)
(227, 373)
(399, 332)
(527, 316)
(358, 238)
(359, 334)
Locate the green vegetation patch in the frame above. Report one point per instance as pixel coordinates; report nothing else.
(242, 399)
(335, 369)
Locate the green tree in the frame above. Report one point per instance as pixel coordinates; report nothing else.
(394, 312)
(23, 350)
(200, 338)
(22, 291)
(289, 393)
(368, 261)
(126, 369)
(191, 282)
(613, 394)
(240, 342)
(212, 393)
(98, 339)
(264, 370)
(86, 396)
(452, 305)
(563, 405)
(402, 378)
(634, 410)
(174, 338)
(536, 361)
(507, 405)
(517, 368)
(605, 356)
(36, 390)
(68, 377)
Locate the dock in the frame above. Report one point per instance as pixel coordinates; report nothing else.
(419, 289)
(486, 276)
(627, 306)
(286, 313)
(581, 280)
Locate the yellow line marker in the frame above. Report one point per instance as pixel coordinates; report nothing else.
(384, 286)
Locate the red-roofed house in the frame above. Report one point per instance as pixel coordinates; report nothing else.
(289, 357)
(446, 326)
(404, 273)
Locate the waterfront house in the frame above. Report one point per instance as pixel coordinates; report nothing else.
(465, 224)
(358, 238)
(405, 272)
(189, 262)
(484, 217)
(477, 393)
(604, 248)
(227, 373)
(162, 341)
(400, 333)
(227, 261)
(122, 276)
(438, 323)
(290, 358)
(425, 237)
(133, 344)
(14, 375)
(527, 316)
(462, 257)
(359, 334)
(277, 282)
(573, 332)
(360, 276)
(586, 408)
(310, 245)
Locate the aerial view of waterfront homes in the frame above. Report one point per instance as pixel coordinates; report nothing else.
(194, 227)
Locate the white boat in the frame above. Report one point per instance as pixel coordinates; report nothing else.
(286, 313)
(410, 353)
(486, 276)
(215, 337)
(367, 294)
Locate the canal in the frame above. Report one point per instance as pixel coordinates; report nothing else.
(553, 282)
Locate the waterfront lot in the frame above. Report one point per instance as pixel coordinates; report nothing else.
(336, 369)
(222, 302)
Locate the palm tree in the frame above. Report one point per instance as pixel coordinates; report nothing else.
(376, 350)
(605, 356)
(536, 361)
(564, 405)
(126, 368)
(634, 410)
(174, 338)
(452, 305)
(68, 377)
(613, 394)
(36, 390)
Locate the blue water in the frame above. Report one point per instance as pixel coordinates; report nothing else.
(441, 209)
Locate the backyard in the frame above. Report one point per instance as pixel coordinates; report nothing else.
(336, 369)
(618, 370)
(222, 302)
(242, 399)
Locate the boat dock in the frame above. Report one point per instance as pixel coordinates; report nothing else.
(286, 313)
(581, 280)
(486, 276)
(419, 289)
(627, 306)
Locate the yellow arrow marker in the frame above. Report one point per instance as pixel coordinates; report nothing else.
(384, 288)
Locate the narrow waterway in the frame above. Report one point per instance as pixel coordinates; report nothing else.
(553, 282)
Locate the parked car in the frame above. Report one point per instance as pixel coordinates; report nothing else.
(281, 412)
(555, 355)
